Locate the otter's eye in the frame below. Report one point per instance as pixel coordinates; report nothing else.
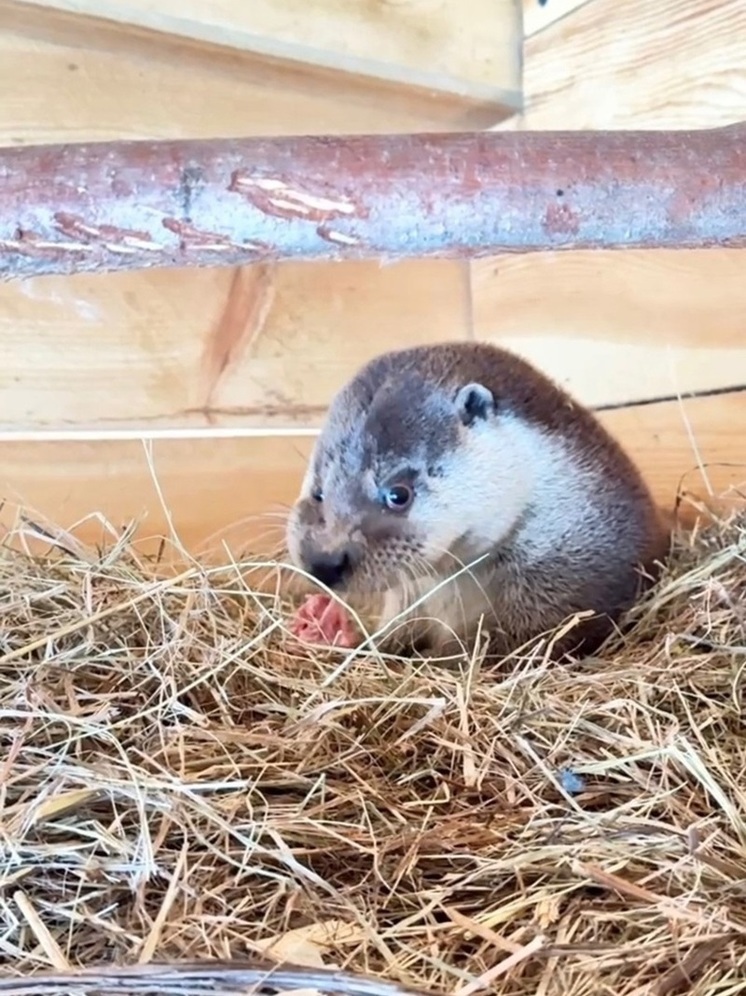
(398, 498)
(317, 494)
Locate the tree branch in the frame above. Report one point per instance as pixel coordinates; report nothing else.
(134, 205)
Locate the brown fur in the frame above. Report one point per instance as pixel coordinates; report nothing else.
(536, 485)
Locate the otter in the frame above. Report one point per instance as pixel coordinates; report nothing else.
(459, 475)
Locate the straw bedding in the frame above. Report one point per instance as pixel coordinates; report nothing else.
(178, 783)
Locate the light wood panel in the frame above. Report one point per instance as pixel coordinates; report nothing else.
(637, 64)
(620, 327)
(214, 490)
(469, 53)
(475, 42)
(233, 489)
(109, 90)
(617, 327)
(215, 346)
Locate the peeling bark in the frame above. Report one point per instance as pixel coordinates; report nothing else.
(133, 205)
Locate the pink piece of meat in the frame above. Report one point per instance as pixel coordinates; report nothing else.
(321, 620)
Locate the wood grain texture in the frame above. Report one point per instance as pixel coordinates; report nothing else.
(471, 52)
(177, 349)
(620, 327)
(539, 14)
(212, 491)
(234, 491)
(638, 64)
(119, 87)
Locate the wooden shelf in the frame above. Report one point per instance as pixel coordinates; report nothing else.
(450, 65)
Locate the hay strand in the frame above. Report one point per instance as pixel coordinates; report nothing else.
(191, 803)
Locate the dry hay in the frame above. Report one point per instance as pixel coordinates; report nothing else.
(178, 784)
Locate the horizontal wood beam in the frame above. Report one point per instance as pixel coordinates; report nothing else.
(134, 205)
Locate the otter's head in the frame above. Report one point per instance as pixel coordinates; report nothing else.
(414, 474)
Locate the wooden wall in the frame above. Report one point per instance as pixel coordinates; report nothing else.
(214, 365)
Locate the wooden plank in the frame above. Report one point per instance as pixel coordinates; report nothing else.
(539, 14)
(637, 64)
(232, 490)
(214, 491)
(694, 445)
(470, 53)
(616, 327)
(56, 90)
(178, 349)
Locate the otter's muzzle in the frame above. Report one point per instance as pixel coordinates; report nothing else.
(331, 569)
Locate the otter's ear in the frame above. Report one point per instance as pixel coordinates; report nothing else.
(474, 402)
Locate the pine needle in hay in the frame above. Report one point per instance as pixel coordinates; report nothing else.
(178, 785)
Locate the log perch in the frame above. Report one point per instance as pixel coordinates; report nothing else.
(135, 205)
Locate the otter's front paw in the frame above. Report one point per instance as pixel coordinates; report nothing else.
(323, 622)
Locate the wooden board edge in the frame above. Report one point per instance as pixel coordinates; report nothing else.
(429, 101)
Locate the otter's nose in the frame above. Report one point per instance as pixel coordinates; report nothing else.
(330, 568)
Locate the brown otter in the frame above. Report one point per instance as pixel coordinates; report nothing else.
(435, 456)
